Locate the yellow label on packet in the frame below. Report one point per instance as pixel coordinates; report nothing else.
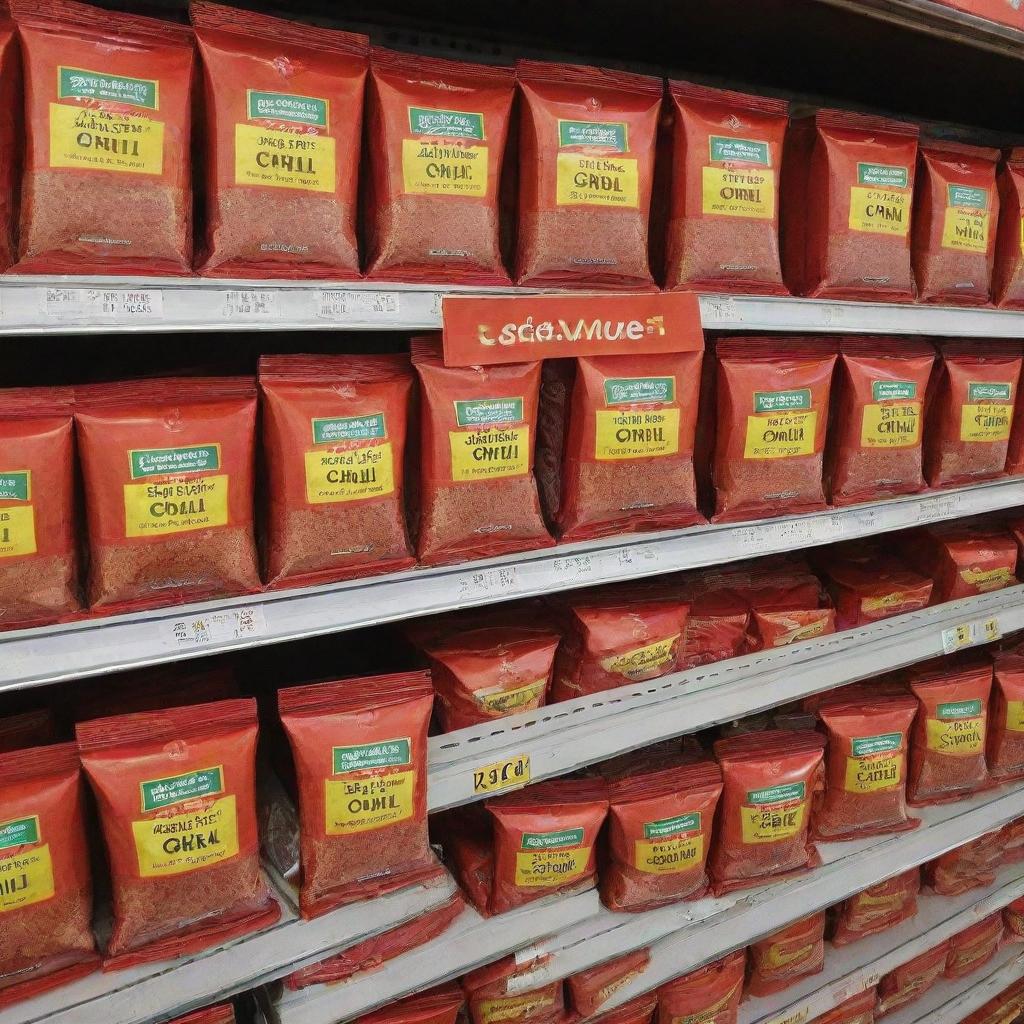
(17, 531)
(985, 580)
(489, 453)
(346, 476)
(444, 168)
(90, 139)
(268, 158)
(879, 211)
(668, 856)
(709, 1015)
(873, 773)
(176, 843)
(774, 813)
(891, 426)
(739, 192)
(493, 1011)
(961, 736)
(637, 434)
(26, 878)
(504, 702)
(777, 955)
(885, 902)
(1015, 715)
(780, 435)
(643, 661)
(988, 422)
(883, 603)
(965, 230)
(363, 804)
(157, 509)
(584, 180)
(548, 868)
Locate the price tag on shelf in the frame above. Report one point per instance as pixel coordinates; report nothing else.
(970, 634)
(796, 1017)
(941, 506)
(574, 567)
(65, 303)
(336, 305)
(530, 954)
(832, 315)
(508, 774)
(250, 304)
(528, 981)
(792, 534)
(215, 627)
(720, 309)
(489, 582)
(111, 305)
(636, 556)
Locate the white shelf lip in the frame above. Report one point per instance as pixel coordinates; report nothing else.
(563, 737)
(49, 654)
(850, 970)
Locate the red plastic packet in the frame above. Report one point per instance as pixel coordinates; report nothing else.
(874, 589)
(956, 209)
(969, 423)
(437, 131)
(177, 801)
(1011, 842)
(586, 170)
(637, 1011)
(11, 133)
(711, 994)
(545, 840)
(284, 110)
(29, 729)
(783, 958)
(495, 993)
(107, 183)
(723, 230)
(716, 628)
(875, 440)
(866, 767)
(911, 980)
(589, 990)
(878, 908)
(466, 835)
(334, 438)
(1006, 1007)
(762, 833)
(786, 600)
(659, 835)
(772, 400)
(38, 551)
(168, 471)
(1004, 750)
(972, 865)
(440, 1005)
(1008, 275)
(974, 947)
(847, 185)
(1013, 920)
(964, 558)
(477, 495)
(859, 1009)
(360, 751)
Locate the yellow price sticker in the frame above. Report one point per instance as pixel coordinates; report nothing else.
(507, 774)
(990, 630)
(794, 1018)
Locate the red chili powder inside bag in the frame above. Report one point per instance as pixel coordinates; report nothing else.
(878, 908)
(762, 832)
(439, 1005)
(974, 947)
(780, 960)
(711, 994)
(624, 458)
(589, 990)
(284, 111)
(723, 230)
(659, 835)
(495, 993)
(224, 1014)
(46, 909)
(334, 435)
(586, 171)
(437, 131)
(614, 638)
(637, 1011)
(177, 801)
(477, 495)
(970, 419)
(859, 1009)
(875, 436)
(28, 729)
(107, 183)
(847, 187)
(1004, 751)
(11, 133)
(970, 866)
(168, 470)
(956, 209)
(964, 558)
(544, 840)
(876, 589)
(486, 674)
(1008, 275)
(911, 980)
(38, 556)
(716, 628)
(947, 752)
(1013, 920)
(780, 627)
(772, 398)
(359, 744)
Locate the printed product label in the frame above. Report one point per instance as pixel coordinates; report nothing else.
(883, 175)
(19, 832)
(489, 453)
(339, 429)
(16, 486)
(723, 149)
(485, 412)
(710, 1015)
(347, 476)
(887, 602)
(175, 844)
(670, 845)
(156, 509)
(636, 435)
(79, 84)
(611, 135)
(876, 205)
(639, 390)
(988, 422)
(782, 401)
(878, 905)
(802, 631)
(644, 662)
(774, 813)
(893, 390)
(547, 868)
(779, 955)
(279, 106)
(367, 803)
(958, 728)
(735, 192)
(26, 878)
(177, 789)
(101, 140)
(269, 158)
(446, 124)
(966, 223)
(504, 702)
(590, 180)
(438, 169)
(780, 435)
(368, 756)
(891, 426)
(876, 764)
(149, 462)
(985, 580)
(493, 1011)
(17, 531)
(1015, 715)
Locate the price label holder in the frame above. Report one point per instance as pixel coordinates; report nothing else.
(227, 626)
(250, 304)
(970, 634)
(511, 773)
(489, 582)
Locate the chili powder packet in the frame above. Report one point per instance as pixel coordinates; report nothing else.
(772, 400)
(723, 230)
(974, 947)
(1004, 749)
(866, 767)
(1008, 272)
(964, 558)
(29, 729)
(46, 907)
(1013, 920)
(970, 866)
(659, 835)
(762, 834)
(439, 1005)
(544, 840)
(284, 116)
(970, 420)
(11, 133)
(334, 437)
(711, 994)
(477, 496)
(911, 980)
(780, 960)
(947, 752)
(586, 169)
(956, 209)
(858, 1009)
(497, 992)
(875, 589)
(878, 908)
(437, 131)
(847, 186)
(38, 551)
(168, 472)
(1011, 842)
(716, 627)
(590, 989)
(636, 1011)
(177, 801)
(358, 743)
(875, 438)
(107, 182)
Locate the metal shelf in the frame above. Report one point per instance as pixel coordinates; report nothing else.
(95, 646)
